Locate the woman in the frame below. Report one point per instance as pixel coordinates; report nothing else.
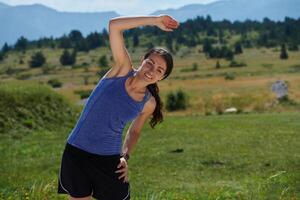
(93, 162)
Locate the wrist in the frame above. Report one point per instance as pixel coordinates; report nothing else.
(156, 20)
(125, 156)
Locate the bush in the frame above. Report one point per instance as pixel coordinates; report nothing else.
(83, 93)
(68, 59)
(218, 65)
(54, 83)
(103, 61)
(234, 63)
(37, 60)
(229, 76)
(176, 101)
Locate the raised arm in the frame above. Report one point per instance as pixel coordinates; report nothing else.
(122, 61)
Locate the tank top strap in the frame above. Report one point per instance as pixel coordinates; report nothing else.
(147, 96)
(130, 73)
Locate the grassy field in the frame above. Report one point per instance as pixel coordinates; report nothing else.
(206, 87)
(252, 155)
(245, 156)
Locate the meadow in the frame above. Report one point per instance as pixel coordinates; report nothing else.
(246, 156)
(206, 87)
(196, 153)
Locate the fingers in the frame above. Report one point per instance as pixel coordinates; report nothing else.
(123, 170)
(172, 21)
(123, 175)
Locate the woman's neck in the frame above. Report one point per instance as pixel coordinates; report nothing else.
(137, 85)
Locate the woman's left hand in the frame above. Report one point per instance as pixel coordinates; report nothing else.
(166, 22)
(124, 169)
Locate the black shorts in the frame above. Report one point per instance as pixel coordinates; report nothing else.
(83, 174)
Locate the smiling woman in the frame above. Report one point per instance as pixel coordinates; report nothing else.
(93, 152)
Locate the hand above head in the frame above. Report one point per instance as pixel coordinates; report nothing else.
(166, 23)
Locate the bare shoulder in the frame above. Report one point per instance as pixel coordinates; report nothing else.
(149, 106)
(118, 72)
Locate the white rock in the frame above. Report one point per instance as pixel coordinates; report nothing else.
(280, 88)
(231, 110)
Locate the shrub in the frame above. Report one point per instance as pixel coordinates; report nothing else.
(54, 83)
(83, 93)
(229, 76)
(234, 63)
(68, 59)
(176, 101)
(37, 60)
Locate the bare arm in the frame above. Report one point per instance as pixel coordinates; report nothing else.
(132, 136)
(136, 126)
(122, 61)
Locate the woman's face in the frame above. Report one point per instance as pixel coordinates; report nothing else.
(153, 68)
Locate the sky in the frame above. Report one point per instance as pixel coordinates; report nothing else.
(122, 7)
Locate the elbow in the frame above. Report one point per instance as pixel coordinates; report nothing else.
(113, 25)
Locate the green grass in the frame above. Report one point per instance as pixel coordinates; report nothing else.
(246, 156)
(28, 106)
(263, 68)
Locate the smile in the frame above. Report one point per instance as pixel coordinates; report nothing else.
(148, 76)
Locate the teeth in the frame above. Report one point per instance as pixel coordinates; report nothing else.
(148, 76)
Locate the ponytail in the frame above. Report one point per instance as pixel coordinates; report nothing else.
(157, 116)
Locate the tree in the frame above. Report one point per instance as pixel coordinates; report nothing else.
(64, 42)
(21, 44)
(94, 40)
(169, 43)
(218, 65)
(238, 48)
(5, 48)
(207, 46)
(37, 60)
(75, 36)
(103, 61)
(1, 56)
(283, 53)
(136, 40)
(68, 59)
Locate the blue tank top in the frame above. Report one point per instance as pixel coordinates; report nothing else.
(100, 125)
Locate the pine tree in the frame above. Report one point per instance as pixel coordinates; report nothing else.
(283, 53)
(37, 60)
(238, 48)
(68, 59)
(136, 40)
(21, 44)
(5, 48)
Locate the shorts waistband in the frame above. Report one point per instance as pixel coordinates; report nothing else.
(78, 151)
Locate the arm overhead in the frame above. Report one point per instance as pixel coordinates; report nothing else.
(122, 61)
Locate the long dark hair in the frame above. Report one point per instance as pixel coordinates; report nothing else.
(157, 116)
